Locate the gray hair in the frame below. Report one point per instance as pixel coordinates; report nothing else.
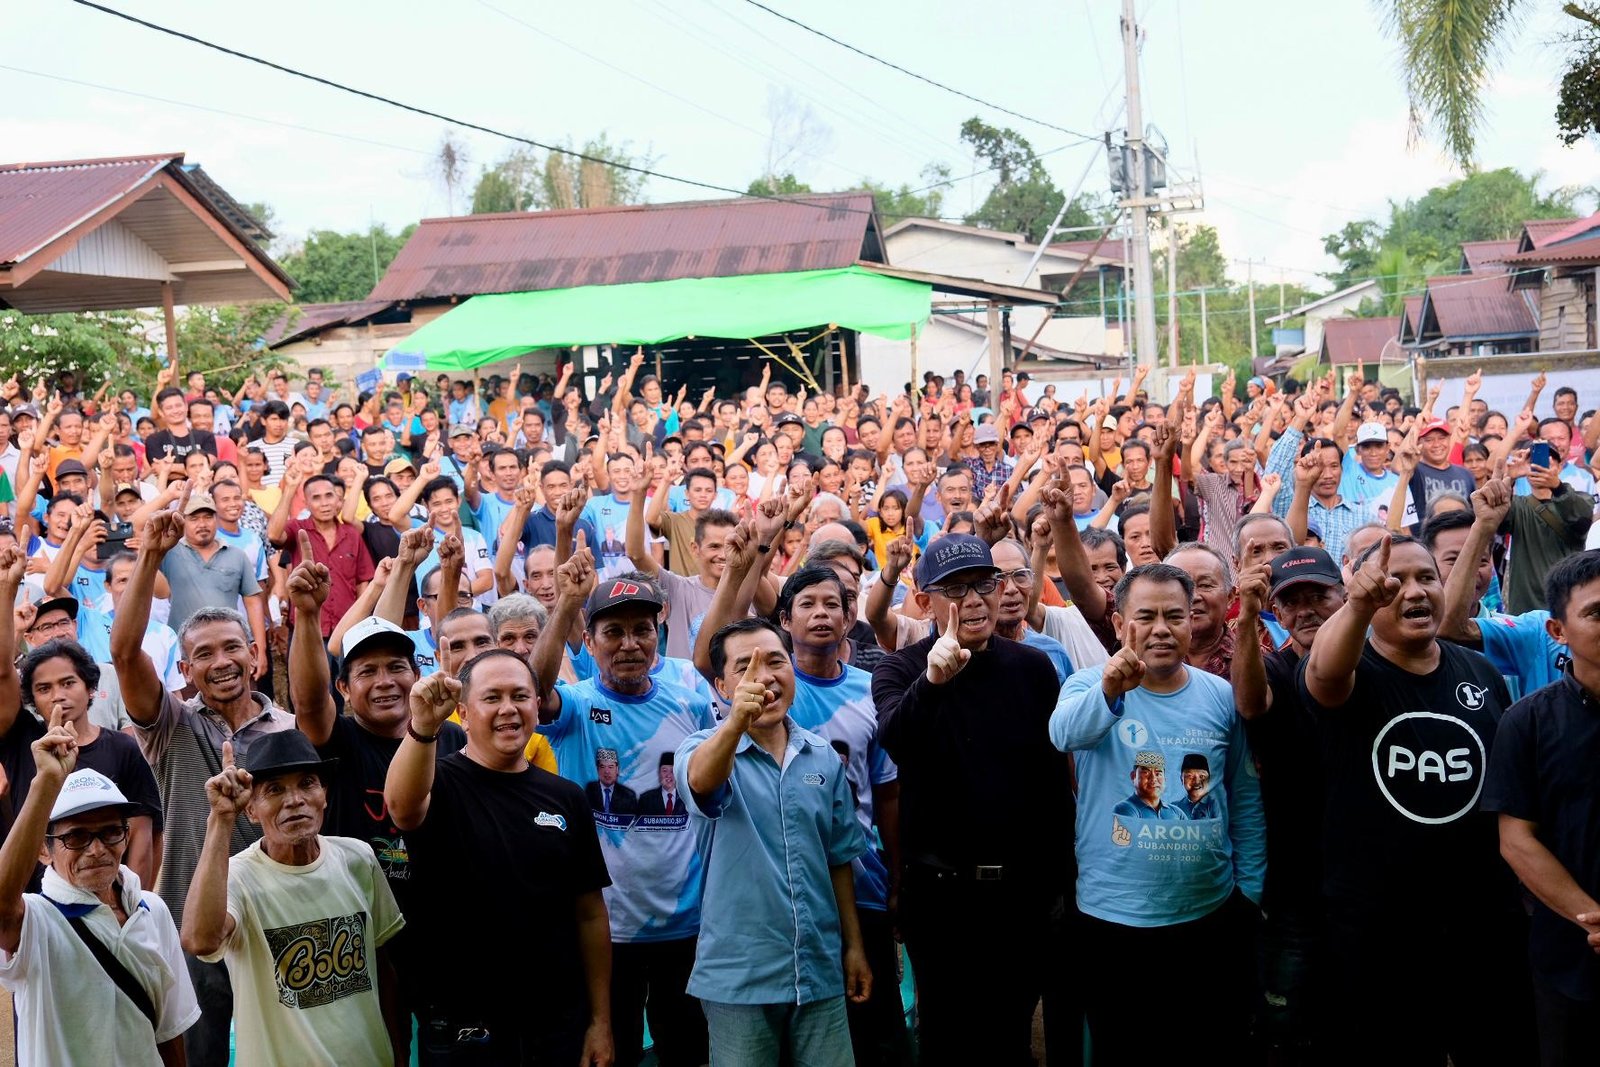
(829, 498)
(1247, 521)
(206, 616)
(836, 549)
(1201, 546)
(514, 607)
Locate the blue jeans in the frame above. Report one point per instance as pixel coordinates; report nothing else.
(758, 1035)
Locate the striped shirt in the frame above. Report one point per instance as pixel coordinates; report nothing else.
(184, 748)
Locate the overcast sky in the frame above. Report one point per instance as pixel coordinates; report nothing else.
(1293, 112)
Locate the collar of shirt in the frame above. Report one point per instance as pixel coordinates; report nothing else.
(81, 901)
(268, 710)
(798, 740)
(1576, 691)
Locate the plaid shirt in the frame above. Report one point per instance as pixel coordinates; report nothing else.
(982, 479)
(1337, 522)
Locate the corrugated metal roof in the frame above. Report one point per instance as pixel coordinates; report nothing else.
(524, 252)
(1541, 232)
(41, 201)
(1578, 228)
(1584, 251)
(1486, 257)
(1411, 318)
(313, 318)
(1350, 341)
(1474, 306)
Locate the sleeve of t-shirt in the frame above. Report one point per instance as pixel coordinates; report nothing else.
(572, 706)
(1513, 643)
(179, 1009)
(386, 918)
(846, 840)
(248, 586)
(712, 805)
(880, 768)
(1082, 718)
(1247, 820)
(154, 736)
(1512, 785)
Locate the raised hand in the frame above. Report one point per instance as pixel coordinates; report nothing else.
(1371, 587)
(1406, 458)
(1166, 446)
(1057, 500)
(229, 791)
(13, 565)
(947, 658)
(750, 697)
(429, 471)
(452, 556)
(432, 701)
(1492, 500)
(163, 529)
(1475, 379)
(576, 578)
(899, 558)
(569, 509)
(771, 516)
(1307, 469)
(56, 753)
(309, 583)
(1120, 490)
(993, 520)
(1254, 584)
(1123, 673)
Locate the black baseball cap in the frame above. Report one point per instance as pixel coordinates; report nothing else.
(951, 554)
(789, 418)
(614, 593)
(70, 466)
(1303, 565)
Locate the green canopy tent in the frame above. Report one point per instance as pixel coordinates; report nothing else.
(493, 327)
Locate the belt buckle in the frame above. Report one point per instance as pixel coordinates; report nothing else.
(987, 874)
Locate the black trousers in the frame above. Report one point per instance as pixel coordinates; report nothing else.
(1569, 1030)
(205, 1044)
(653, 977)
(1200, 970)
(878, 1027)
(978, 950)
(1425, 982)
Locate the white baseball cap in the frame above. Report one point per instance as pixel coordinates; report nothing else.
(375, 632)
(86, 790)
(1370, 432)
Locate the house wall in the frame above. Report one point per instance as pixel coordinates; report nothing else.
(967, 255)
(1563, 314)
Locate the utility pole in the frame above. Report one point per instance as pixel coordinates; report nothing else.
(1139, 210)
(1250, 283)
(1172, 294)
(1205, 334)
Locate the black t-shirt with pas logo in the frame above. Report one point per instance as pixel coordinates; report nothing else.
(355, 794)
(520, 847)
(1403, 764)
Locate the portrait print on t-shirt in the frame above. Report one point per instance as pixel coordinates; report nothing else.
(319, 962)
(1140, 818)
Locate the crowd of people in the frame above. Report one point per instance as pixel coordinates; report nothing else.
(584, 717)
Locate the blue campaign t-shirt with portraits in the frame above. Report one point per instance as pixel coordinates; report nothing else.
(841, 711)
(1170, 819)
(1522, 650)
(620, 749)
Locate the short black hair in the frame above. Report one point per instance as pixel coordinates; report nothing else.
(443, 481)
(83, 664)
(1394, 539)
(1093, 537)
(1152, 572)
(1567, 390)
(372, 431)
(713, 517)
(1442, 521)
(275, 407)
(803, 579)
(169, 391)
(464, 675)
(699, 472)
(1580, 568)
(719, 640)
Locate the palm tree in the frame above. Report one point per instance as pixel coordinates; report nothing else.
(1448, 49)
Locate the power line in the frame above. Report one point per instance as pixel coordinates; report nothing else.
(911, 73)
(416, 110)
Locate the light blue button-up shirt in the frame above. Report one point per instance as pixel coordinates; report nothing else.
(769, 925)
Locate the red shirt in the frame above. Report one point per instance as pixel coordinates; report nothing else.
(348, 562)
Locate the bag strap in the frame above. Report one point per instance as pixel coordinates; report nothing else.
(114, 968)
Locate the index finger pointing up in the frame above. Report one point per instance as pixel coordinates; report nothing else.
(955, 619)
(752, 667)
(306, 555)
(227, 754)
(1383, 554)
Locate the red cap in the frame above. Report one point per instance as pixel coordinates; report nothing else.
(1432, 425)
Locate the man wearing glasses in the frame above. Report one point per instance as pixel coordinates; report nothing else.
(70, 1008)
(965, 716)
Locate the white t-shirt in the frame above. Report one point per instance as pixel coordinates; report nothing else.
(1068, 626)
(475, 561)
(68, 1009)
(307, 938)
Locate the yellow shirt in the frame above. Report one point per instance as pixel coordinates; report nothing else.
(538, 751)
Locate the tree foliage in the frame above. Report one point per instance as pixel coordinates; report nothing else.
(96, 346)
(226, 341)
(1483, 206)
(1024, 199)
(331, 266)
(782, 185)
(525, 180)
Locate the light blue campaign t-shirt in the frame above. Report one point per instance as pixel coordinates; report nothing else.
(1169, 806)
(840, 710)
(620, 749)
(609, 517)
(1522, 650)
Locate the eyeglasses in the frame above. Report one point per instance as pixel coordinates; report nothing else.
(78, 840)
(959, 590)
(56, 625)
(1020, 576)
